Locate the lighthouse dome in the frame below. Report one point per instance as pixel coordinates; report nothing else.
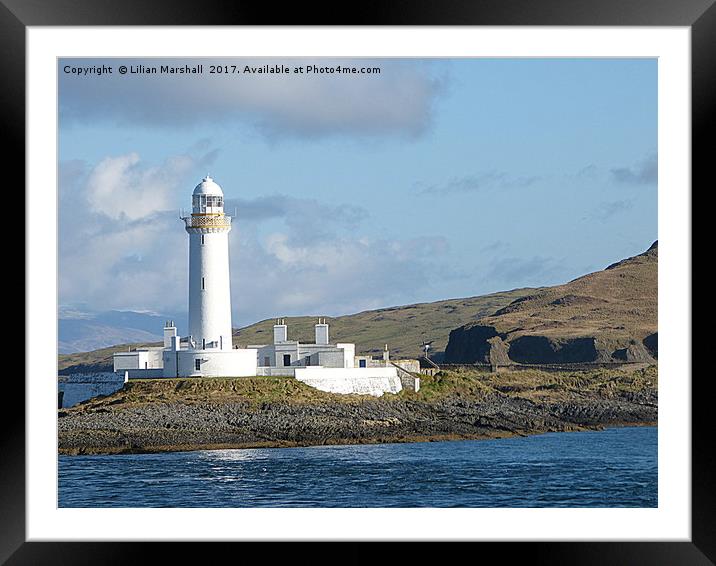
(208, 198)
(208, 187)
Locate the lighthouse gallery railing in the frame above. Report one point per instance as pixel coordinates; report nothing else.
(207, 221)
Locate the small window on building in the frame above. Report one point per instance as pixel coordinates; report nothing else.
(202, 239)
(202, 283)
(287, 359)
(361, 363)
(197, 365)
(267, 361)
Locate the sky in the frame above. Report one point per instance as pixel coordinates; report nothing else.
(432, 179)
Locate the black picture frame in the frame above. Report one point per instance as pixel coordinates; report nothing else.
(699, 15)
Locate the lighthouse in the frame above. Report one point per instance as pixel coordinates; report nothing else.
(208, 350)
(209, 284)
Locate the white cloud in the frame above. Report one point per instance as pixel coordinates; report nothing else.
(279, 275)
(122, 247)
(116, 188)
(398, 101)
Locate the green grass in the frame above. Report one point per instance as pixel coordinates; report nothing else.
(255, 391)
(473, 386)
(403, 328)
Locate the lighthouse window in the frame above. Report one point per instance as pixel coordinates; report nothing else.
(202, 239)
(202, 283)
(197, 365)
(214, 201)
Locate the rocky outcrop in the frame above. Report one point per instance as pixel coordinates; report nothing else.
(499, 352)
(544, 350)
(634, 352)
(651, 343)
(606, 316)
(177, 426)
(472, 344)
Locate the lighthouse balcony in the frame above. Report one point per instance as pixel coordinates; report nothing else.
(208, 221)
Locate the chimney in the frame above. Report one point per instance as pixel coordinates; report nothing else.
(280, 331)
(322, 332)
(169, 331)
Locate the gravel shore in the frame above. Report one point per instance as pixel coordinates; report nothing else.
(117, 427)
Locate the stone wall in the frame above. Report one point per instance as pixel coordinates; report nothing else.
(80, 387)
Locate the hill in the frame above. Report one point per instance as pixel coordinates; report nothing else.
(606, 316)
(403, 328)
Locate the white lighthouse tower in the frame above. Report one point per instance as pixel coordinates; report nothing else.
(208, 350)
(209, 284)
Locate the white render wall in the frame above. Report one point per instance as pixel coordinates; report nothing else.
(210, 307)
(240, 362)
(138, 359)
(349, 354)
(360, 381)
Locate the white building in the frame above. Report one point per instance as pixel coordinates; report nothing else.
(284, 355)
(208, 350)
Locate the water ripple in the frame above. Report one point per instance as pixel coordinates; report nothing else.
(611, 468)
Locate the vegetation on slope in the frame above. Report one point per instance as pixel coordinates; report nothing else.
(609, 315)
(403, 328)
(538, 386)
(192, 414)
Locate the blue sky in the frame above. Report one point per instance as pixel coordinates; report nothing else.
(435, 179)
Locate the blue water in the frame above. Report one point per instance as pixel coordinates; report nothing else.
(612, 468)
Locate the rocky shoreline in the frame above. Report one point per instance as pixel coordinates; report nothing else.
(175, 420)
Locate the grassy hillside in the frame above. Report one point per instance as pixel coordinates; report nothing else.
(403, 328)
(609, 315)
(96, 360)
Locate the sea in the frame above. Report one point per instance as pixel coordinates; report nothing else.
(616, 467)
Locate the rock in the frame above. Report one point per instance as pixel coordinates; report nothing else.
(544, 350)
(159, 426)
(651, 342)
(470, 344)
(605, 316)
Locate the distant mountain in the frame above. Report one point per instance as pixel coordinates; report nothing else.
(81, 331)
(609, 315)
